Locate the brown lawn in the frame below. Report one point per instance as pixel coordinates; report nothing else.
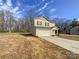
(71, 37)
(16, 46)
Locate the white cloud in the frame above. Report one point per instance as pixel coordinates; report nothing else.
(53, 16)
(52, 10)
(1, 2)
(17, 16)
(17, 13)
(18, 2)
(15, 9)
(4, 7)
(7, 5)
(23, 10)
(9, 2)
(41, 13)
(43, 0)
(46, 4)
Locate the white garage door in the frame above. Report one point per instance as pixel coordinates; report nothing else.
(43, 32)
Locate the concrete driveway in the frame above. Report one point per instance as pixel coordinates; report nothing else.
(70, 45)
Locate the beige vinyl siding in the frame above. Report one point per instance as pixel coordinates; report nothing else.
(53, 32)
(43, 23)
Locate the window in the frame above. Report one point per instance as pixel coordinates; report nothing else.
(46, 24)
(39, 23)
(78, 29)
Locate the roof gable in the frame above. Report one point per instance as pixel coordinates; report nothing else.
(42, 18)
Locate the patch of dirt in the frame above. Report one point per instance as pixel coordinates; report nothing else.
(15, 46)
(71, 37)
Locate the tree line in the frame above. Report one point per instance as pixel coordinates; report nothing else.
(65, 27)
(8, 22)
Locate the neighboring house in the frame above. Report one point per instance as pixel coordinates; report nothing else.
(75, 30)
(42, 27)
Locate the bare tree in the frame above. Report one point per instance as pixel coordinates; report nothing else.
(1, 20)
(31, 15)
(10, 21)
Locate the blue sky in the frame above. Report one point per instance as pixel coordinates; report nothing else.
(50, 8)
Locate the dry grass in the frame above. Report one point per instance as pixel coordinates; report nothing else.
(15, 46)
(71, 37)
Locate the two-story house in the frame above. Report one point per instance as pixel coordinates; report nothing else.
(42, 27)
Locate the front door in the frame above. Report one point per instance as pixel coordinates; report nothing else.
(56, 32)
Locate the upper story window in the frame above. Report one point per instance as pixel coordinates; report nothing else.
(39, 23)
(46, 24)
